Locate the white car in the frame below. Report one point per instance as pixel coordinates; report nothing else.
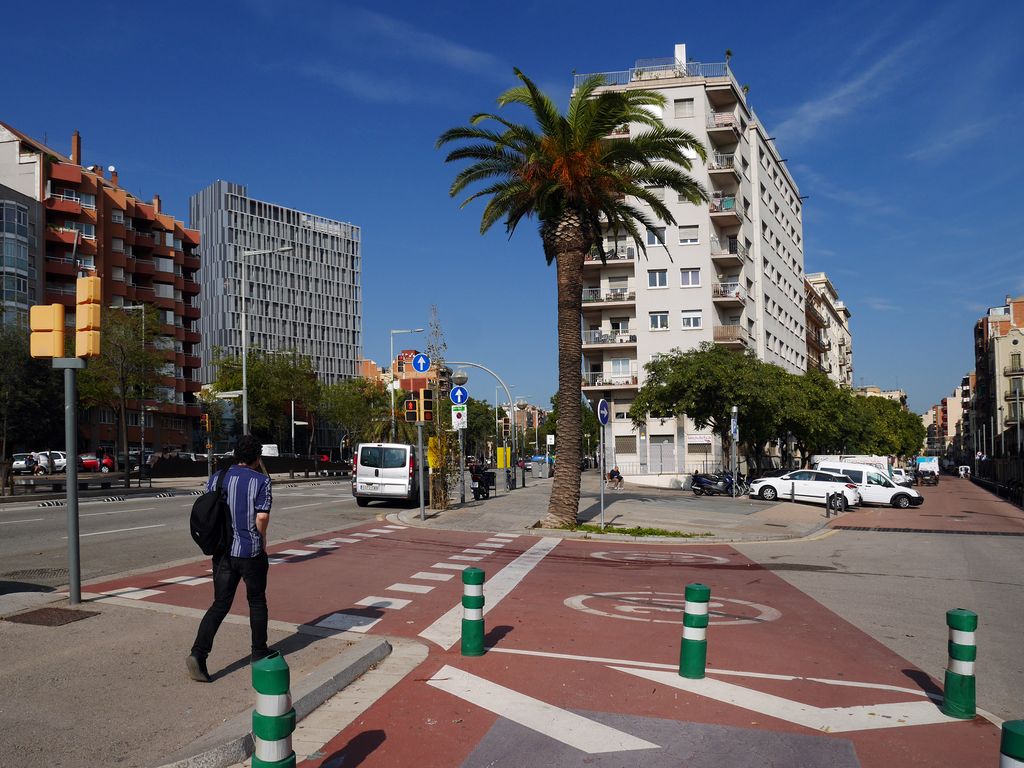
(874, 486)
(805, 485)
(902, 477)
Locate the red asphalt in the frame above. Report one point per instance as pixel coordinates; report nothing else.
(609, 600)
(955, 505)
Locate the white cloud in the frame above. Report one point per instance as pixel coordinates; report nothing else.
(940, 145)
(370, 86)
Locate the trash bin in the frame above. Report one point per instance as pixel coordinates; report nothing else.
(538, 469)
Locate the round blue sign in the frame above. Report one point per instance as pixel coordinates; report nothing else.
(603, 412)
(459, 395)
(421, 363)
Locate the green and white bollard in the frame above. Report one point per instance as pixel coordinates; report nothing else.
(472, 612)
(273, 720)
(958, 700)
(1011, 745)
(693, 653)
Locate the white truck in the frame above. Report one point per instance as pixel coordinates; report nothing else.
(928, 470)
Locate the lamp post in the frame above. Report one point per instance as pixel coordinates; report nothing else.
(459, 378)
(391, 364)
(521, 404)
(508, 394)
(245, 330)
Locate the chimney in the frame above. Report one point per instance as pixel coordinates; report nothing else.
(76, 148)
(156, 203)
(113, 175)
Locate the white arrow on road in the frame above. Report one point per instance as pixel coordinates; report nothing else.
(828, 719)
(578, 732)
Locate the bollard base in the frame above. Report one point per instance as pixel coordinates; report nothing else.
(472, 637)
(288, 762)
(959, 696)
(693, 659)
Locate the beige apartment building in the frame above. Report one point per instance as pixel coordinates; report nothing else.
(729, 272)
(836, 340)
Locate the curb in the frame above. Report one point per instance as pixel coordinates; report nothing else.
(232, 742)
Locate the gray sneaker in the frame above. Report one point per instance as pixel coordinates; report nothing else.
(197, 669)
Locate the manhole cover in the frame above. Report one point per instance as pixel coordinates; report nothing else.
(36, 573)
(50, 617)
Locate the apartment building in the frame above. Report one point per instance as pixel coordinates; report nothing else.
(21, 257)
(729, 272)
(836, 353)
(998, 404)
(896, 395)
(303, 289)
(145, 258)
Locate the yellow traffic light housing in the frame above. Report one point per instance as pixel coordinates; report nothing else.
(47, 323)
(88, 297)
(426, 404)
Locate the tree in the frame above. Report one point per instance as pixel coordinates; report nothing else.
(360, 408)
(130, 363)
(31, 396)
(577, 181)
(590, 426)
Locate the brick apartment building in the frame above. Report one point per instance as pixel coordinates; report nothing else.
(144, 257)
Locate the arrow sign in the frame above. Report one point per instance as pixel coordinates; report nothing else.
(459, 395)
(421, 363)
(603, 411)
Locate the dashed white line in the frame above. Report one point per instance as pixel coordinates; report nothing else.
(349, 622)
(119, 530)
(393, 603)
(489, 546)
(346, 541)
(296, 552)
(380, 530)
(450, 566)
(32, 520)
(133, 593)
(396, 527)
(366, 535)
(478, 552)
(419, 589)
(471, 558)
(427, 576)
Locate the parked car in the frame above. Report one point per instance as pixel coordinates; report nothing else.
(90, 463)
(902, 477)
(874, 486)
(18, 465)
(386, 472)
(805, 485)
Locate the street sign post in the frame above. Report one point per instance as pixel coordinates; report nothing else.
(459, 395)
(421, 363)
(603, 412)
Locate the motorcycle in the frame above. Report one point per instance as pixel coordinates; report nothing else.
(718, 485)
(480, 483)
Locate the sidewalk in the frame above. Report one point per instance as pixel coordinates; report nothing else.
(715, 518)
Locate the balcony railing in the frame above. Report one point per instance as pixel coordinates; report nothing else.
(1014, 394)
(728, 291)
(721, 162)
(617, 253)
(1014, 370)
(621, 336)
(663, 68)
(591, 295)
(726, 205)
(728, 248)
(732, 333)
(609, 379)
(722, 120)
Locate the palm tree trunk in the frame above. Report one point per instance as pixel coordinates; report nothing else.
(565, 238)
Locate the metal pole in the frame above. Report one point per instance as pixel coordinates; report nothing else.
(391, 386)
(733, 460)
(293, 427)
(71, 451)
(1018, 422)
(142, 404)
(992, 436)
(462, 469)
(245, 353)
(600, 462)
(419, 449)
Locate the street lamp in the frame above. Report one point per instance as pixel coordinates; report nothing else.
(521, 404)
(391, 366)
(245, 332)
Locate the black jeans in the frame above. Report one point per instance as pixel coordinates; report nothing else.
(227, 572)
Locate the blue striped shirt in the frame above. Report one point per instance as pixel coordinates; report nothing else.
(248, 492)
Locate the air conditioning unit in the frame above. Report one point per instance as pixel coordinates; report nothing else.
(630, 252)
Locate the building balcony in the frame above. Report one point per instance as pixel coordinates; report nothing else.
(728, 253)
(597, 339)
(1014, 370)
(610, 297)
(734, 336)
(64, 204)
(814, 345)
(728, 294)
(726, 210)
(143, 267)
(144, 239)
(720, 165)
(191, 313)
(66, 172)
(190, 262)
(1014, 395)
(723, 127)
(65, 236)
(609, 380)
(617, 254)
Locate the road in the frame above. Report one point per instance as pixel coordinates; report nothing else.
(146, 531)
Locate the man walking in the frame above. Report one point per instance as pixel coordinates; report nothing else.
(248, 496)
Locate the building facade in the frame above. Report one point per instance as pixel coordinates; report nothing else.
(307, 299)
(21, 257)
(144, 257)
(836, 354)
(997, 407)
(729, 272)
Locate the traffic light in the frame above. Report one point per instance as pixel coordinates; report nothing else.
(204, 419)
(427, 401)
(505, 427)
(444, 380)
(88, 297)
(411, 408)
(47, 323)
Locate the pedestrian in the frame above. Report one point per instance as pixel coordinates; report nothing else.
(249, 499)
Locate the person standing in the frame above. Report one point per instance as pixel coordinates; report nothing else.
(249, 499)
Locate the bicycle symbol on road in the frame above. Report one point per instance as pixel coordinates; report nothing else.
(667, 558)
(647, 606)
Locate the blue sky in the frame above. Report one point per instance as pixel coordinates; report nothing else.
(897, 120)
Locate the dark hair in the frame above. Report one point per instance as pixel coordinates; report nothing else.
(248, 449)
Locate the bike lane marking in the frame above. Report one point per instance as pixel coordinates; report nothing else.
(447, 630)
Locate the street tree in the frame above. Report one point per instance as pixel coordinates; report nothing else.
(133, 357)
(577, 180)
(31, 396)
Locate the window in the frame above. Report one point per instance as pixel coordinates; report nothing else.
(689, 277)
(688, 235)
(620, 366)
(692, 319)
(656, 192)
(657, 278)
(88, 200)
(117, 244)
(117, 216)
(659, 321)
(655, 235)
(683, 107)
(625, 444)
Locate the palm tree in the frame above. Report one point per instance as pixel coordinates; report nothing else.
(579, 181)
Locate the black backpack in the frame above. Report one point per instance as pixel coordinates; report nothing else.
(210, 522)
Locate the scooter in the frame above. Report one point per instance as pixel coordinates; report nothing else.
(712, 485)
(479, 482)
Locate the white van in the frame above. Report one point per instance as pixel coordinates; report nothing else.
(385, 471)
(874, 486)
(270, 449)
(878, 462)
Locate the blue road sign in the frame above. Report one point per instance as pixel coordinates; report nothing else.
(421, 363)
(459, 395)
(603, 411)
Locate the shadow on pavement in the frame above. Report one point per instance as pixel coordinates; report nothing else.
(496, 635)
(358, 748)
(923, 681)
(14, 587)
